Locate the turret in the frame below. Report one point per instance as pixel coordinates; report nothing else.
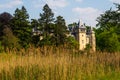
(85, 37)
(81, 35)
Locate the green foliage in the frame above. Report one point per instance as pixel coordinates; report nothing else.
(108, 33)
(21, 28)
(109, 19)
(53, 32)
(60, 31)
(9, 40)
(46, 18)
(46, 25)
(72, 43)
(5, 75)
(5, 19)
(108, 41)
(35, 24)
(72, 26)
(45, 41)
(19, 73)
(1, 47)
(88, 47)
(35, 40)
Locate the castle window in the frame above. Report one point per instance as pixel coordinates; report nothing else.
(82, 35)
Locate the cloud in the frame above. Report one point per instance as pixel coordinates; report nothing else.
(11, 4)
(79, 0)
(115, 1)
(88, 15)
(57, 3)
(52, 3)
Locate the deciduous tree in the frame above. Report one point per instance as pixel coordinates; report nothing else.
(108, 31)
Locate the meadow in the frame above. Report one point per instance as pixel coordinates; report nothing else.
(51, 63)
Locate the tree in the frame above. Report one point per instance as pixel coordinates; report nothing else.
(108, 31)
(60, 31)
(5, 19)
(21, 27)
(46, 25)
(111, 18)
(108, 41)
(36, 28)
(72, 43)
(9, 40)
(46, 18)
(72, 26)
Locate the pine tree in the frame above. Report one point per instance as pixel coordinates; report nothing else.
(46, 18)
(21, 26)
(60, 31)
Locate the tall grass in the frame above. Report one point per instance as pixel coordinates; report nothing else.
(51, 63)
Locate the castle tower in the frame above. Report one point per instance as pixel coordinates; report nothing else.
(81, 35)
(93, 40)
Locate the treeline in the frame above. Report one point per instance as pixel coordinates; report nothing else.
(17, 31)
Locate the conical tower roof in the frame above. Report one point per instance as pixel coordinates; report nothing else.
(81, 24)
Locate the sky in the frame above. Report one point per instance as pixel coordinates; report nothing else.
(72, 10)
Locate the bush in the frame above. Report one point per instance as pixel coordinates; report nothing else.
(8, 39)
(108, 41)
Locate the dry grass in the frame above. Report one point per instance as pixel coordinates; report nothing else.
(50, 63)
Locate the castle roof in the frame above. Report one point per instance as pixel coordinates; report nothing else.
(81, 25)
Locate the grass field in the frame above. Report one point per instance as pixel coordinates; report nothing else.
(51, 63)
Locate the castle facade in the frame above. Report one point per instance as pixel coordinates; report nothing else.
(85, 37)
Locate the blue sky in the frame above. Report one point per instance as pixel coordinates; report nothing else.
(71, 10)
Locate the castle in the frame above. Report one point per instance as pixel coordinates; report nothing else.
(84, 36)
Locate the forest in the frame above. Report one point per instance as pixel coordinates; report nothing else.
(17, 31)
